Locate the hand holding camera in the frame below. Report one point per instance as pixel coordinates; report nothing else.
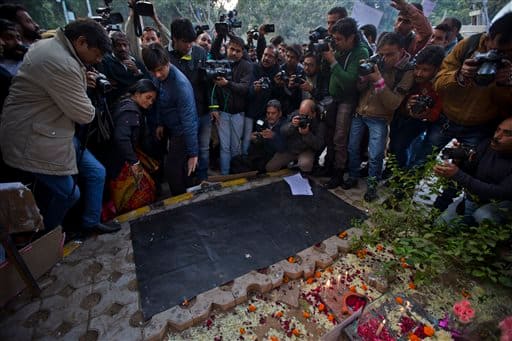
(419, 106)
(91, 76)
(221, 81)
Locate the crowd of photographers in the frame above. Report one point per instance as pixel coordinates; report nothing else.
(87, 111)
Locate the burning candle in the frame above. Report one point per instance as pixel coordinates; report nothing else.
(381, 326)
(346, 277)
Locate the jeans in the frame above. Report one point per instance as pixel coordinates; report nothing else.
(64, 192)
(246, 138)
(378, 131)
(231, 128)
(205, 130)
(403, 130)
(499, 212)
(443, 131)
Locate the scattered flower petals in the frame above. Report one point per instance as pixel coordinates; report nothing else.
(318, 274)
(412, 286)
(353, 288)
(295, 332)
(242, 331)
(306, 315)
(429, 331)
(274, 338)
(279, 314)
(291, 259)
(321, 307)
(330, 317)
(252, 308)
(310, 280)
(413, 337)
(379, 247)
(399, 300)
(343, 235)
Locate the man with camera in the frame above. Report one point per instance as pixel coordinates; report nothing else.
(267, 139)
(315, 84)
(121, 68)
(486, 176)
(189, 58)
(304, 134)
(289, 78)
(228, 108)
(175, 117)
(475, 82)
(262, 89)
(344, 64)
(46, 100)
(383, 87)
(419, 110)
(412, 25)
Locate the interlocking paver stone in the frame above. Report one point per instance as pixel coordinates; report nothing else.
(117, 327)
(111, 293)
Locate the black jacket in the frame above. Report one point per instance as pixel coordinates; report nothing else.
(129, 127)
(232, 97)
(297, 143)
(258, 100)
(192, 70)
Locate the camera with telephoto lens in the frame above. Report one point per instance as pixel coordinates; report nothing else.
(282, 75)
(422, 102)
(367, 66)
(264, 82)
(317, 34)
(461, 153)
(304, 121)
(227, 22)
(269, 28)
(260, 126)
(214, 69)
(489, 63)
(108, 19)
(103, 85)
(323, 45)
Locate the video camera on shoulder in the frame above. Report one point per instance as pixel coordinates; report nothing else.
(227, 22)
(489, 63)
(108, 19)
(461, 153)
(214, 69)
(367, 66)
(144, 8)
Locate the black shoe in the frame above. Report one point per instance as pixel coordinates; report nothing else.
(336, 180)
(371, 194)
(104, 228)
(349, 183)
(324, 172)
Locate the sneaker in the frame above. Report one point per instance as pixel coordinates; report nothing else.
(371, 194)
(349, 183)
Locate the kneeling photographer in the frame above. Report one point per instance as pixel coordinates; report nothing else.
(304, 135)
(486, 176)
(267, 138)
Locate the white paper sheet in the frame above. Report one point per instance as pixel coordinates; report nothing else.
(298, 185)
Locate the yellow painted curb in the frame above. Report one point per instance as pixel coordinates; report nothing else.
(70, 247)
(235, 182)
(279, 172)
(133, 214)
(178, 199)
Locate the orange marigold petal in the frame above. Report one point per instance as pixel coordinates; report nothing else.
(318, 274)
(429, 331)
(274, 338)
(321, 307)
(252, 308)
(353, 288)
(364, 287)
(242, 330)
(306, 315)
(412, 285)
(310, 280)
(295, 332)
(279, 314)
(330, 317)
(285, 279)
(329, 269)
(380, 247)
(413, 337)
(343, 234)
(399, 300)
(291, 259)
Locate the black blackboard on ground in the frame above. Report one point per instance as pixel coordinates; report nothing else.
(185, 251)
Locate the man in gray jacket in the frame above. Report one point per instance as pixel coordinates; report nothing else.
(37, 128)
